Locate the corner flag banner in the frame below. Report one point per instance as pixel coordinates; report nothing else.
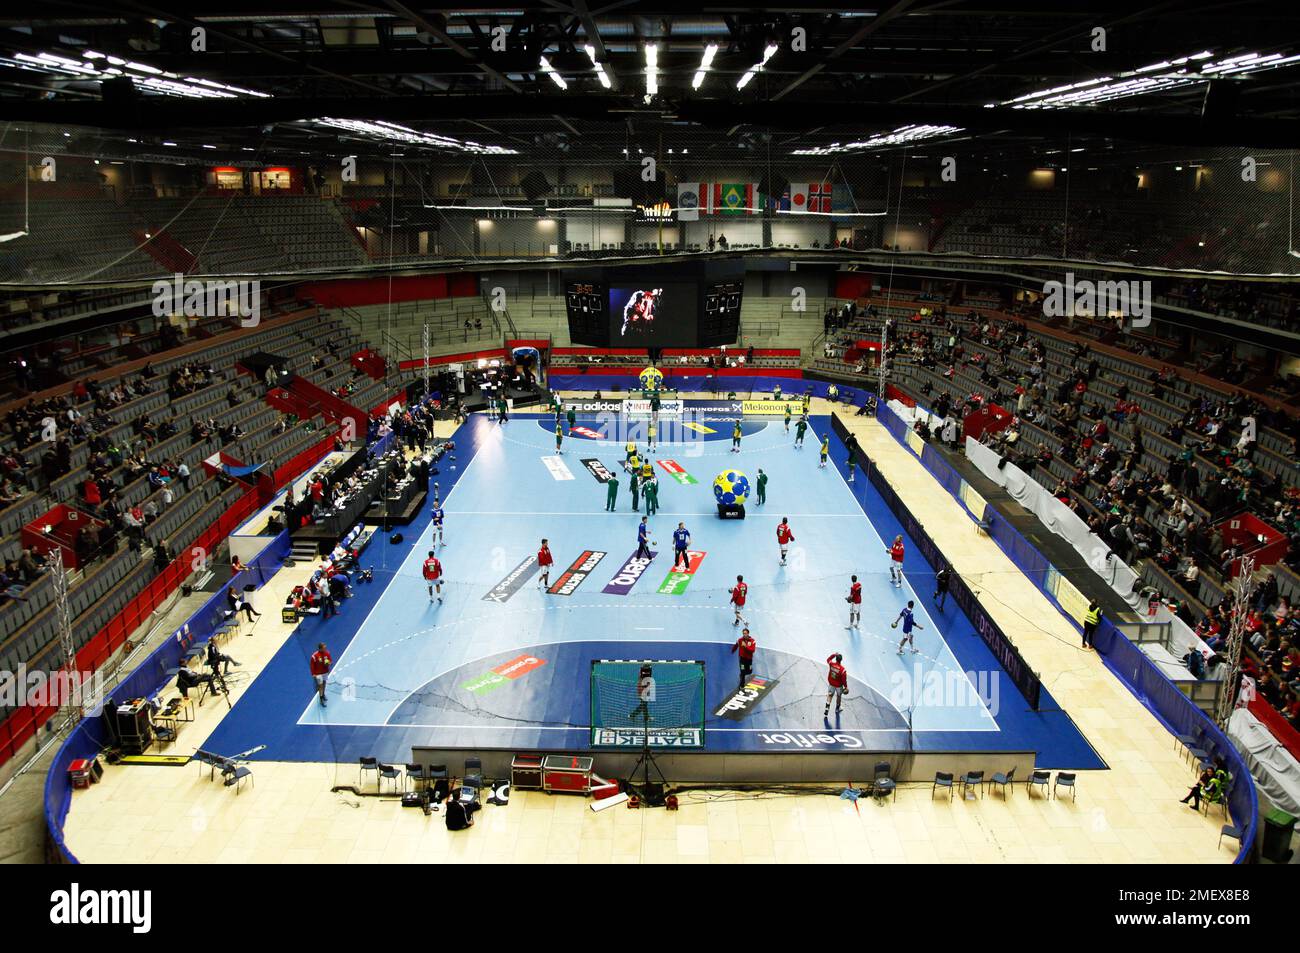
(675, 582)
(677, 473)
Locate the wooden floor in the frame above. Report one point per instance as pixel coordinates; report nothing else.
(1128, 814)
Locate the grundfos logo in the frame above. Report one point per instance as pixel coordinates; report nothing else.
(75, 906)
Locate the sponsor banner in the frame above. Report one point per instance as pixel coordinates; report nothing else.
(577, 573)
(628, 575)
(676, 471)
(513, 582)
(557, 468)
(586, 432)
(637, 737)
(746, 698)
(597, 469)
(698, 428)
(717, 406)
(974, 502)
(767, 408)
(505, 672)
(675, 582)
(593, 406)
(641, 408)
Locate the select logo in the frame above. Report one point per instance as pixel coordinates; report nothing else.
(628, 575)
(577, 573)
(77, 907)
(597, 469)
(505, 672)
(746, 698)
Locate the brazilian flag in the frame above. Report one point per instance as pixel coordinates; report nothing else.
(734, 198)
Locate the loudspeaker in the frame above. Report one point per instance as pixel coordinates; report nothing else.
(535, 185)
(395, 538)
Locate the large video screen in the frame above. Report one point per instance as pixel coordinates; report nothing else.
(650, 315)
(585, 303)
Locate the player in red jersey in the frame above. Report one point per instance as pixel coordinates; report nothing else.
(896, 562)
(544, 559)
(784, 536)
(738, 599)
(320, 670)
(433, 575)
(837, 680)
(746, 647)
(854, 599)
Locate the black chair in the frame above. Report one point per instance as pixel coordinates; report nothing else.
(1038, 779)
(883, 785)
(1065, 779)
(474, 772)
(1005, 782)
(415, 776)
(367, 764)
(389, 771)
(942, 779)
(1229, 831)
(970, 779)
(234, 775)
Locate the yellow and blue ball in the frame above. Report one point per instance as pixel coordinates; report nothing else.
(652, 378)
(731, 487)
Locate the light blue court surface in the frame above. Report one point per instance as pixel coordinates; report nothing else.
(502, 664)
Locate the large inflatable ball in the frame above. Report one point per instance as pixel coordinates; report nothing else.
(731, 487)
(652, 378)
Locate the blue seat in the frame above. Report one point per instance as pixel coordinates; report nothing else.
(942, 779)
(1038, 779)
(971, 779)
(1229, 831)
(1065, 779)
(1005, 782)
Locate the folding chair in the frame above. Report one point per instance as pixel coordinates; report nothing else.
(971, 779)
(1229, 831)
(883, 785)
(942, 779)
(368, 764)
(390, 772)
(1065, 779)
(1038, 779)
(1006, 782)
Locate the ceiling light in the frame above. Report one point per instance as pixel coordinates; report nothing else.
(754, 70)
(706, 64)
(549, 70)
(651, 69)
(595, 64)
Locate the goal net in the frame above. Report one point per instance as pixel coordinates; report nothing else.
(635, 701)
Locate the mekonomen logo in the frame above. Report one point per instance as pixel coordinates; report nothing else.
(1100, 299)
(209, 299)
(74, 907)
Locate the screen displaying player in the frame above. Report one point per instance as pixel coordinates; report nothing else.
(657, 316)
(639, 311)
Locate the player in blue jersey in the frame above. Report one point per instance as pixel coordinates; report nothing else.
(681, 540)
(437, 524)
(909, 623)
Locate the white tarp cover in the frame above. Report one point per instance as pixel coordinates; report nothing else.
(1275, 771)
(1056, 516)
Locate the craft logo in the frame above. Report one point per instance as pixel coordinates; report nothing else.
(505, 672)
(77, 907)
(627, 576)
(675, 582)
(597, 469)
(508, 586)
(676, 471)
(1099, 299)
(746, 698)
(577, 573)
(586, 432)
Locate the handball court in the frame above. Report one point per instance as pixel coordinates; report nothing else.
(412, 669)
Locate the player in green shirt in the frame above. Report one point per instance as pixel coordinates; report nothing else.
(636, 488)
(787, 418)
(573, 418)
(559, 435)
(799, 430)
(651, 496)
(611, 493)
(761, 486)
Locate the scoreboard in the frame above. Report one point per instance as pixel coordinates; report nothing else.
(584, 301)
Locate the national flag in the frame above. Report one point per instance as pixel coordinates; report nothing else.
(689, 197)
(811, 196)
(733, 198)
